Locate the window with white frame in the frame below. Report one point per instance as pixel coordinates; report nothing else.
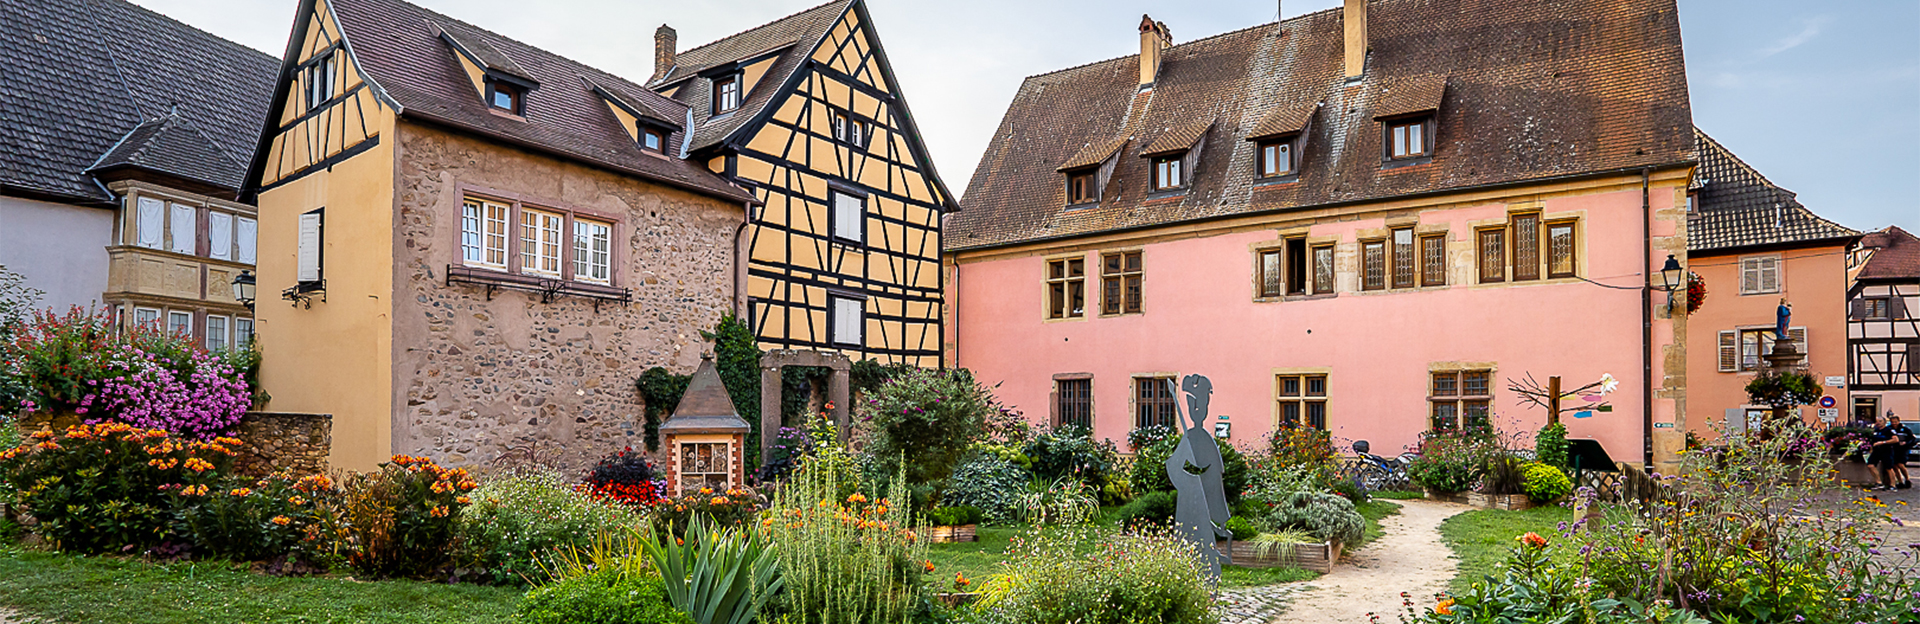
(592, 251)
(242, 332)
(180, 323)
(220, 236)
(849, 217)
(849, 320)
(181, 229)
(319, 79)
(483, 233)
(540, 242)
(216, 333)
(1759, 275)
(246, 235)
(146, 317)
(150, 223)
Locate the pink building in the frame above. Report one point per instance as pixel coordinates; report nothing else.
(1368, 220)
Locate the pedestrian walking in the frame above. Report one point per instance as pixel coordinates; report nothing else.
(1881, 444)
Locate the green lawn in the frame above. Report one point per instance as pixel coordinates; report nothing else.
(1483, 538)
(102, 590)
(1398, 495)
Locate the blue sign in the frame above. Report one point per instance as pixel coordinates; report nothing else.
(1826, 401)
(1583, 414)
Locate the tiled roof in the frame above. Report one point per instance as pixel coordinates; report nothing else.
(84, 74)
(398, 46)
(1735, 206)
(1409, 95)
(1177, 138)
(1896, 255)
(1532, 90)
(1284, 120)
(1092, 154)
(794, 36)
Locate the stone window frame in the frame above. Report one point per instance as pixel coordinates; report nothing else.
(515, 203)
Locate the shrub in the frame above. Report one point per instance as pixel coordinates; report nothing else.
(518, 522)
(1149, 508)
(1550, 445)
(1304, 446)
(930, 416)
(955, 516)
(268, 518)
(1545, 483)
(1350, 489)
(1326, 516)
(989, 483)
(735, 507)
(845, 560)
(1070, 452)
(1503, 473)
(1097, 576)
(1241, 528)
(1149, 472)
(624, 477)
(1450, 461)
(1532, 589)
(603, 598)
(401, 519)
(661, 390)
(83, 363)
(110, 486)
(1065, 501)
(718, 575)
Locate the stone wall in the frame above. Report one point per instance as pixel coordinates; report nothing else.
(477, 380)
(279, 441)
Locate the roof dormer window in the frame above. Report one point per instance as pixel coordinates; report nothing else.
(1083, 187)
(505, 98)
(1410, 138)
(653, 140)
(1167, 173)
(726, 94)
(1276, 158)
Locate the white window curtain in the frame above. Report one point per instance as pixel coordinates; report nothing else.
(152, 223)
(246, 236)
(309, 252)
(849, 215)
(182, 229)
(220, 236)
(849, 321)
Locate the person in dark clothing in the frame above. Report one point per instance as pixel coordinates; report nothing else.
(1897, 455)
(1881, 444)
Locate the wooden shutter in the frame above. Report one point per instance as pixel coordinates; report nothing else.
(849, 215)
(1857, 308)
(246, 233)
(309, 252)
(182, 230)
(1799, 337)
(152, 221)
(1896, 306)
(220, 236)
(1729, 351)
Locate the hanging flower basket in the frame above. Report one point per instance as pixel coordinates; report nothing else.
(1696, 292)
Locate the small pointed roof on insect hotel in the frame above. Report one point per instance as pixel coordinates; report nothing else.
(705, 407)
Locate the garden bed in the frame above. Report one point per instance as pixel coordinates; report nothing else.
(949, 534)
(1511, 502)
(1315, 557)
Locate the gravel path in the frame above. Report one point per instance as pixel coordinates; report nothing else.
(1409, 557)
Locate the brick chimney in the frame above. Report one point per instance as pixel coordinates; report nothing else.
(1154, 38)
(1355, 16)
(666, 44)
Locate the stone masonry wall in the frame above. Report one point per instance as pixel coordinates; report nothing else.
(277, 441)
(477, 381)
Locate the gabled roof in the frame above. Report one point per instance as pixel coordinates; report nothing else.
(705, 407)
(1735, 206)
(400, 49)
(793, 37)
(86, 77)
(1525, 90)
(1896, 255)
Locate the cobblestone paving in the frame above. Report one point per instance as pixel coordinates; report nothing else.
(1252, 605)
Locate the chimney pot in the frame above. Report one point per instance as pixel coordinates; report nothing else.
(666, 46)
(1154, 38)
(1355, 16)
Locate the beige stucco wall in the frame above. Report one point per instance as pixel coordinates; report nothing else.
(474, 379)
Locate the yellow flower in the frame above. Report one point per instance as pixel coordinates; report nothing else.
(857, 498)
(297, 500)
(282, 520)
(705, 491)
(718, 500)
(240, 492)
(1445, 607)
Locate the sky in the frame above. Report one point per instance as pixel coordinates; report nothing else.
(1822, 97)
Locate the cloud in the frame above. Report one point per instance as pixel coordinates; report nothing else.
(1811, 29)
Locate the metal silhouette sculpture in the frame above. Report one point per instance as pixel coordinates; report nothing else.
(1201, 512)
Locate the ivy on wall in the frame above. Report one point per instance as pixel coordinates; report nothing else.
(737, 355)
(661, 390)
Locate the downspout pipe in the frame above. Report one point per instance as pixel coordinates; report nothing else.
(1646, 318)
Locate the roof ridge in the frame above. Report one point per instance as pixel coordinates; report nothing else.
(1200, 40)
(764, 25)
(235, 44)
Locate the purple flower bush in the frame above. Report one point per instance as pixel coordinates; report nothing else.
(203, 403)
(91, 366)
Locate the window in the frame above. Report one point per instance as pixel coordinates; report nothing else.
(242, 332)
(1403, 259)
(1284, 269)
(849, 217)
(652, 140)
(246, 235)
(152, 222)
(1525, 230)
(703, 465)
(146, 317)
(1067, 288)
(1373, 265)
(1560, 260)
(1746, 349)
(319, 78)
(180, 323)
(1433, 260)
(307, 258)
(848, 319)
(1759, 275)
(1491, 245)
(1461, 398)
(540, 242)
(504, 97)
(483, 234)
(1272, 273)
(1120, 283)
(1323, 269)
(849, 129)
(1153, 403)
(1297, 266)
(220, 236)
(216, 333)
(181, 229)
(592, 251)
(1303, 400)
(1276, 159)
(1073, 403)
(1875, 309)
(726, 94)
(1408, 139)
(1865, 410)
(1081, 188)
(1166, 173)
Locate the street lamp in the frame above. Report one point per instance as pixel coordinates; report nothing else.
(243, 288)
(1670, 273)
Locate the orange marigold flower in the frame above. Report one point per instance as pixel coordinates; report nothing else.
(929, 566)
(857, 498)
(719, 500)
(240, 492)
(1533, 539)
(47, 446)
(297, 500)
(282, 520)
(462, 500)
(1445, 607)
(228, 441)
(42, 434)
(197, 465)
(439, 511)
(960, 580)
(705, 491)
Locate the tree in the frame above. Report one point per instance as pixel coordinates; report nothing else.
(928, 420)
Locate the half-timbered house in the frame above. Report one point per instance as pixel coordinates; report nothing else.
(1883, 326)
(845, 244)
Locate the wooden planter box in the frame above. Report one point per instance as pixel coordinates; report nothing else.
(1855, 473)
(957, 599)
(1514, 502)
(1316, 557)
(945, 534)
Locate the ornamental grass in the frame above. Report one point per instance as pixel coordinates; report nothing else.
(846, 560)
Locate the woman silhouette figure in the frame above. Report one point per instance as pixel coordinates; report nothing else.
(1201, 511)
